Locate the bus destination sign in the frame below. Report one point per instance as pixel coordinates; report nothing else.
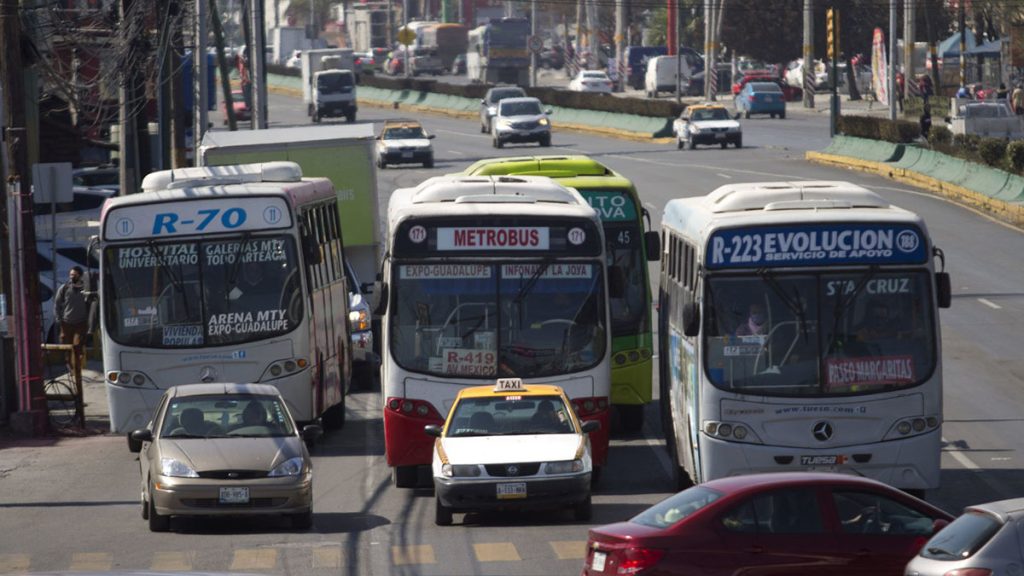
(494, 238)
(507, 236)
(817, 245)
(220, 215)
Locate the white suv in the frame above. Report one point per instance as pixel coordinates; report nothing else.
(521, 120)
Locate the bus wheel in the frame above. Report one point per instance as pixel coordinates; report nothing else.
(404, 476)
(334, 417)
(631, 417)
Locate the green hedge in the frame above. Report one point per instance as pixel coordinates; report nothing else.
(897, 132)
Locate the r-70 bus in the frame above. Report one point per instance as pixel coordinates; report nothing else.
(485, 278)
(630, 245)
(799, 330)
(225, 274)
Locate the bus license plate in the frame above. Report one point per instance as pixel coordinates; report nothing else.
(234, 495)
(597, 564)
(819, 460)
(511, 490)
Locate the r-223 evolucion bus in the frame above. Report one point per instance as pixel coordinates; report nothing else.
(799, 330)
(225, 274)
(490, 277)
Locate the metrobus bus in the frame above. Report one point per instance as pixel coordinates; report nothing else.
(489, 277)
(496, 52)
(799, 330)
(630, 244)
(225, 274)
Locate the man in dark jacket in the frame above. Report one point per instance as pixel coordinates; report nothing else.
(71, 310)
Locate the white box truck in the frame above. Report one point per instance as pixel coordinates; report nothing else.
(661, 75)
(329, 83)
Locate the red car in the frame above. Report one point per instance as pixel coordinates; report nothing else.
(782, 523)
(239, 105)
(791, 93)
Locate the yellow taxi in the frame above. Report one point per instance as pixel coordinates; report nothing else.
(511, 446)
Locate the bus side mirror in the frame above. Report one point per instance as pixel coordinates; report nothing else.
(432, 430)
(380, 292)
(691, 319)
(616, 282)
(652, 243)
(944, 293)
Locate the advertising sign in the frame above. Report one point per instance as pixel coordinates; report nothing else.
(879, 67)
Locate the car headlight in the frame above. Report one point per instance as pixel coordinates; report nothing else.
(566, 467)
(176, 469)
(694, 129)
(460, 470)
(504, 123)
(290, 467)
(543, 122)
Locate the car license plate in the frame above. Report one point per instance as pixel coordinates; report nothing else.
(597, 564)
(820, 460)
(769, 98)
(406, 154)
(234, 495)
(512, 490)
(720, 136)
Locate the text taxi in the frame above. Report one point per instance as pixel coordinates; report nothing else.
(511, 446)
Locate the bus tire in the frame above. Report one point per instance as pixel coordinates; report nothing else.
(631, 417)
(442, 513)
(334, 417)
(404, 476)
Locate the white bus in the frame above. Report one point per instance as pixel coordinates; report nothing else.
(225, 274)
(487, 277)
(799, 330)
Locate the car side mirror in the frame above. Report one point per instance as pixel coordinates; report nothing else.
(548, 111)
(432, 430)
(431, 136)
(380, 291)
(137, 437)
(736, 116)
(311, 432)
(483, 102)
(691, 319)
(938, 524)
(944, 292)
(590, 426)
(652, 243)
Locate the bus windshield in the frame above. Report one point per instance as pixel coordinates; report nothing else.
(481, 320)
(187, 294)
(819, 334)
(509, 34)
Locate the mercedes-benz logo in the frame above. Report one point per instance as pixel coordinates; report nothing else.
(208, 374)
(822, 431)
(512, 470)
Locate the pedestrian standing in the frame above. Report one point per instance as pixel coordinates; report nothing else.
(926, 121)
(1002, 93)
(925, 85)
(1017, 100)
(71, 310)
(900, 89)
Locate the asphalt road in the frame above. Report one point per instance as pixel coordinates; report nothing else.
(72, 503)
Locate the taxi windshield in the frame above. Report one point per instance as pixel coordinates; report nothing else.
(507, 415)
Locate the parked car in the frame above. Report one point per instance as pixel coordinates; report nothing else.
(425, 61)
(761, 98)
(799, 523)
(661, 75)
(224, 450)
(365, 63)
(239, 105)
(795, 74)
(708, 124)
(511, 446)
(489, 104)
(636, 58)
(108, 177)
(591, 81)
(521, 120)
(791, 93)
(983, 541)
(404, 142)
(458, 65)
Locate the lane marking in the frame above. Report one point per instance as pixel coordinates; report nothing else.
(327, 557)
(14, 563)
(254, 559)
(570, 549)
(167, 561)
(719, 174)
(990, 304)
(90, 562)
(456, 152)
(935, 196)
(413, 554)
(457, 133)
(496, 552)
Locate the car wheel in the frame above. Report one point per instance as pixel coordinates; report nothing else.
(404, 476)
(429, 162)
(582, 510)
(739, 142)
(442, 513)
(157, 523)
(631, 417)
(498, 143)
(334, 417)
(316, 118)
(782, 115)
(302, 520)
(692, 144)
(351, 118)
(679, 144)
(746, 114)
(145, 506)
(545, 141)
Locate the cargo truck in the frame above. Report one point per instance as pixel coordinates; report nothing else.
(328, 83)
(345, 155)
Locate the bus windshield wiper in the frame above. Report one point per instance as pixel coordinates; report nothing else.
(179, 287)
(527, 287)
(243, 244)
(845, 302)
(791, 302)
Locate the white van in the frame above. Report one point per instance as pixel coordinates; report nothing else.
(661, 75)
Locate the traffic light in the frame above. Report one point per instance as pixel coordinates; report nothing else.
(830, 21)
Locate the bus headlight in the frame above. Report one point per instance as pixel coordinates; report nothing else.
(912, 426)
(731, 431)
(284, 368)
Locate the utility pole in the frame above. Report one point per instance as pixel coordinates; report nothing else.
(708, 11)
(909, 34)
(593, 30)
(672, 26)
(258, 74)
(176, 104)
(893, 97)
(222, 65)
(962, 26)
(719, 17)
(620, 44)
(677, 29)
(200, 114)
(533, 34)
(31, 416)
(808, 66)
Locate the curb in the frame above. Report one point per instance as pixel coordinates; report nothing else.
(1010, 212)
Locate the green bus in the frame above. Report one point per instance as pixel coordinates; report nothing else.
(631, 244)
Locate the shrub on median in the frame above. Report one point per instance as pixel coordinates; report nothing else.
(870, 127)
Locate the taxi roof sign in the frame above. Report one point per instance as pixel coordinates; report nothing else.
(509, 385)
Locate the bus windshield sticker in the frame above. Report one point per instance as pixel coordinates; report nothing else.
(265, 250)
(247, 322)
(744, 350)
(183, 335)
(567, 271)
(169, 255)
(494, 238)
(469, 362)
(611, 206)
(817, 245)
(444, 271)
(869, 371)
